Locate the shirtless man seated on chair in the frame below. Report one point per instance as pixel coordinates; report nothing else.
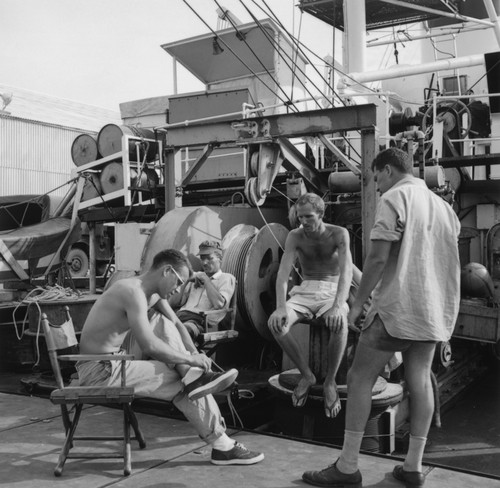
(173, 373)
(326, 266)
(206, 290)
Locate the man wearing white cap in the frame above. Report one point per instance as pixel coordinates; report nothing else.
(210, 289)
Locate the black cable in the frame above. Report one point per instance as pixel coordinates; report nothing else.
(237, 57)
(297, 42)
(298, 45)
(276, 46)
(485, 74)
(242, 37)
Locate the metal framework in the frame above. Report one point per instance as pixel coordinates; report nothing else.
(277, 130)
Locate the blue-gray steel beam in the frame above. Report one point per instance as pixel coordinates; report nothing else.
(296, 124)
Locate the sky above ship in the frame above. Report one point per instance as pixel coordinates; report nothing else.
(104, 52)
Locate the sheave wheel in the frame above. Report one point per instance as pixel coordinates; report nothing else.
(78, 262)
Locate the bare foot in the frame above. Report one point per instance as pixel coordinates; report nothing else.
(301, 391)
(332, 400)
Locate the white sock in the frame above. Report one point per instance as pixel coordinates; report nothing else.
(348, 460)
(193, 374)
(413, 460)
(223, 443)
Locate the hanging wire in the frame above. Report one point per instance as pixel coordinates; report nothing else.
(293, 67)
(236, 55)
(296, 52)
(297, 44)
(242, 37)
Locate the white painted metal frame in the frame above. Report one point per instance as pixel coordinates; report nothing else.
(125, 192)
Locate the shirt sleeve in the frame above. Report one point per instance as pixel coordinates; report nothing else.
(389, 220)
(225, 286)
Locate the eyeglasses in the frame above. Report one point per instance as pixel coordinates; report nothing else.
(180, 281)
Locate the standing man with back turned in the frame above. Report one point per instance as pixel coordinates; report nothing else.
(326, 265)
(413, 270)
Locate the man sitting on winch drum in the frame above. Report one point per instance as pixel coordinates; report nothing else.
(326, 266)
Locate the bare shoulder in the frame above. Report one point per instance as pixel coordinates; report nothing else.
(337, 232)
(294, 237)
(127, 289)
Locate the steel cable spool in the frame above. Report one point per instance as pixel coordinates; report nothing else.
(233, 262)
(109, 141)
(254, 261)
(234, 232)
(84, 149)
(111, 178)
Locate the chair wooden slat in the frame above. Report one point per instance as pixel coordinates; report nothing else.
(72, 399)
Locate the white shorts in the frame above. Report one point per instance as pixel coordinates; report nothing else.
(313, 298)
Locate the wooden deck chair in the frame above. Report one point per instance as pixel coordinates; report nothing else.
(225, 329)
(73, 398)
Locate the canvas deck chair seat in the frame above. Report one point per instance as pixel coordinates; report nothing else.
(73, 398)
(224, 331)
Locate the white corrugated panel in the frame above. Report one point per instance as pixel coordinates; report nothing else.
(35, 157)
(15, 181)
(31, 105)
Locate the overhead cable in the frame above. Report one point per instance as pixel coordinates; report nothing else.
(232, 51)
(292, 66)
(242, 37)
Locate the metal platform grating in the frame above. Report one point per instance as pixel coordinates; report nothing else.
(378, 13)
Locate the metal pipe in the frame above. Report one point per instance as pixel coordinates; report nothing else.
(174, 73)
(492, 14)
(400, 71)
(355, 34)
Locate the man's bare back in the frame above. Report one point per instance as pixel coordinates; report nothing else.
(107, 322)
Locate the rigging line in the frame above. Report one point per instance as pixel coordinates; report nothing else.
(485, 74)
(242, 37)
(294, 62)
(291, 67)
(276, 45)
(277, 241)
(232, 51)
(299, 43)
(433, 42)
(89, 178)
(334, 92)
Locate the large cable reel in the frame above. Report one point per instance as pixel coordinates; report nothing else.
(253, 257)
(453, 113)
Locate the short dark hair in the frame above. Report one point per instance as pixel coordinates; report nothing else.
(316, 201)
(173, 257)
(393, 157)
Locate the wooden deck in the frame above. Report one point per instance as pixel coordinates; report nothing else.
(31, 436)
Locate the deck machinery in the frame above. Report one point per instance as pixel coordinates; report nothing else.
(237, 155)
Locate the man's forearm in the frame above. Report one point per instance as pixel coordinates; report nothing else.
(168, 355)
(343, 288)
(281, 288)
(372, 273)
(215, 297)
(186, 338)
